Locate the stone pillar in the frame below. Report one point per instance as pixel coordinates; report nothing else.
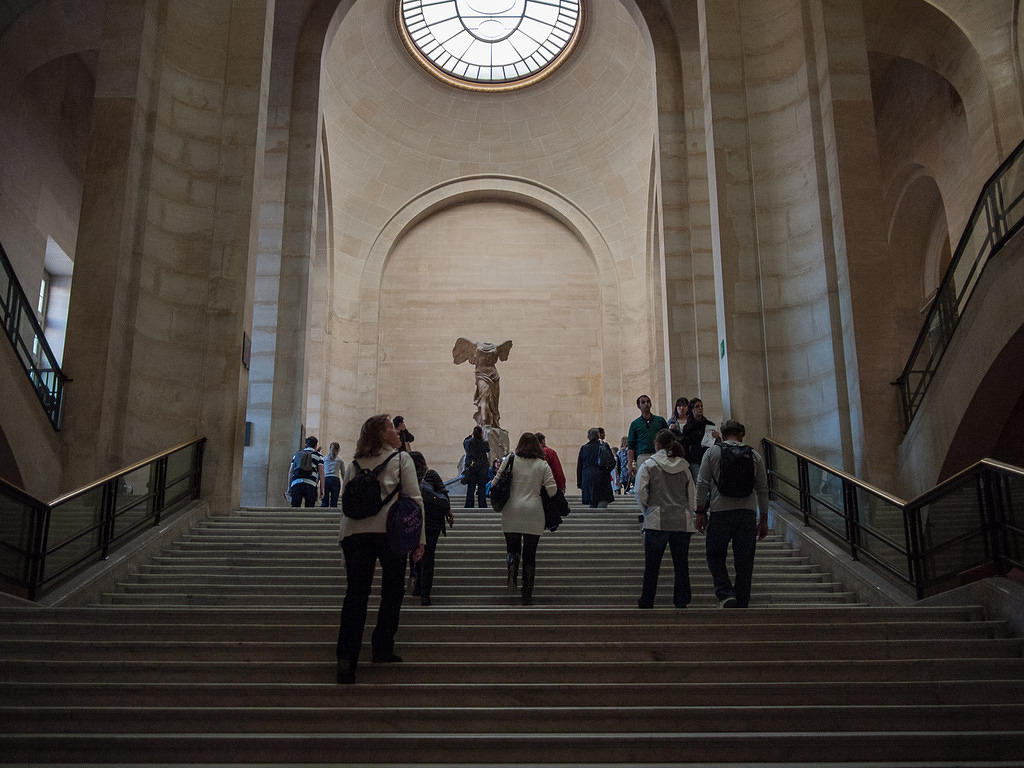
(235, 236)
(163, 281)
(859, 243)
(101, 313)
(733, 219)
(291, 365)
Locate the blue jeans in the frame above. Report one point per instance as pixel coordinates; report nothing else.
(678, 543)
(332, 487)
(480, 489)
(740, 527)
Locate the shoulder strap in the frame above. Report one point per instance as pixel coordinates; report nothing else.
(379, 468)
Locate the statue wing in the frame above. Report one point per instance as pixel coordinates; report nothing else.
(504, 349)
(463, 351)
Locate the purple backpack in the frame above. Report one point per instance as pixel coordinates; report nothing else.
(405, 520)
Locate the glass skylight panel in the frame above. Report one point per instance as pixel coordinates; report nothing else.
(490, 44)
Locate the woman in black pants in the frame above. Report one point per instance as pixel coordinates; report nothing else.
(365, 541)
(476, 472)
(437, 511)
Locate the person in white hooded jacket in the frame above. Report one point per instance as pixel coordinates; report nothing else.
(667, 497)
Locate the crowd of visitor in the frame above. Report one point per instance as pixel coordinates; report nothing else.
(688, 476)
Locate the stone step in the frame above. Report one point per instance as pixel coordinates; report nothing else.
(498, 694)
(326, 631)
(540, 598)
(752, 671)
(580, 584)
(414, 615)
(928, 747)
(444, 568)
(663, 719)
(520, 649)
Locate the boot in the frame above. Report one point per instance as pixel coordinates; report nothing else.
(513, 570)
(529, 571)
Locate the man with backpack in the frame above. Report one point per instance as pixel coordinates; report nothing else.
(733, 476)
(306, 475)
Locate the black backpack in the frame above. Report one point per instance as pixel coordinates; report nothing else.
(303, 465)
(361, 497)
(736, 471)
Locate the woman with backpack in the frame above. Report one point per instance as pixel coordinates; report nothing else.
(522, 516)
(667, 495)
(376, 478)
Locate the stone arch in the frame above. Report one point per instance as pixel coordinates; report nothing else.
(919, 218)
(919, 247)
(490, 189)
(321, 34)
(45, 31)
(481, 187)
(915, 42)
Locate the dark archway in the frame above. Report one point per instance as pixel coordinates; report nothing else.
(992, 423)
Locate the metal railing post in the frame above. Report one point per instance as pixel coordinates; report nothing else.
(915, 556)
(197, 469)
(991, 498)
(108, 504)
(160, 487)
(804, 481)
(35, 566)
(852, 509)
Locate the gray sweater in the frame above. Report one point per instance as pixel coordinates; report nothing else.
(665, 493)
(707, 484)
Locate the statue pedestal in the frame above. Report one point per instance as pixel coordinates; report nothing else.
(497, 439)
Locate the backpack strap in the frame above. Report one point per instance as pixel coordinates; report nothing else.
(380, 468)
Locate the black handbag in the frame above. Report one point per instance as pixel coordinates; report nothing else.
(501, 486)
(555, 508)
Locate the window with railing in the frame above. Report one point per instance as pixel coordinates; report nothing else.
(997, 216)
(40, 542)
(23, 330)
(968, 527)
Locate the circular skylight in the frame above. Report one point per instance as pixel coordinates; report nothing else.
(490, 44)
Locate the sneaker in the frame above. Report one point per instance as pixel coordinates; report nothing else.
(729, 602)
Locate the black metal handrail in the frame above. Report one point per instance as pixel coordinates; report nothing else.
(997, 216)
(42, 542)
(967, 527)
(30, 345)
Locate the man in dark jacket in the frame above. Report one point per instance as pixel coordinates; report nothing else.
(405, 434)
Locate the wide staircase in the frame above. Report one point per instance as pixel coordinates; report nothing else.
(221, 651)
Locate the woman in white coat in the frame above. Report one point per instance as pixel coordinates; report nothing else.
(667, 496)
(522, 517)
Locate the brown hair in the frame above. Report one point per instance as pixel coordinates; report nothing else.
(665, 439)
(734, 428)
(529, 447)
(371, 436)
